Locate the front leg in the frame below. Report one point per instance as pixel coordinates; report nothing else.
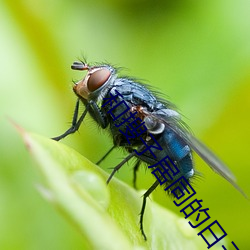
(97, 114)
(75, 124)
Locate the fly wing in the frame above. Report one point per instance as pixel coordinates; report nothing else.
(176, 125)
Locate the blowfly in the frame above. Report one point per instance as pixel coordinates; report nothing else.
(148, 127)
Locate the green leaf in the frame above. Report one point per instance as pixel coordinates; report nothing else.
(106, 215)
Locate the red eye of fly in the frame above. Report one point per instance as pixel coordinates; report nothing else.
(97, 79)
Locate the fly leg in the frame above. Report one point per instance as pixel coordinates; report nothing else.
(93, 109)
(75, 124)
(105, 155)
(97, 114)
(136, 167)
(145, 196)
(116, 168)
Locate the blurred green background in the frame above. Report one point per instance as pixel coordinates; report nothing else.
(195, 52)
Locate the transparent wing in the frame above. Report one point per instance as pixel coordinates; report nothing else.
(176, 125)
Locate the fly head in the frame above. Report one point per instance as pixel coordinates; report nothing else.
(96, 79)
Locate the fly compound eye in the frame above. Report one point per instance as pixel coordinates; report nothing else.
(97, 79)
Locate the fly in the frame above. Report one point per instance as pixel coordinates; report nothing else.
(155, 120)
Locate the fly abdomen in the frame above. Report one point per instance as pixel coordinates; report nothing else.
(178, 151)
